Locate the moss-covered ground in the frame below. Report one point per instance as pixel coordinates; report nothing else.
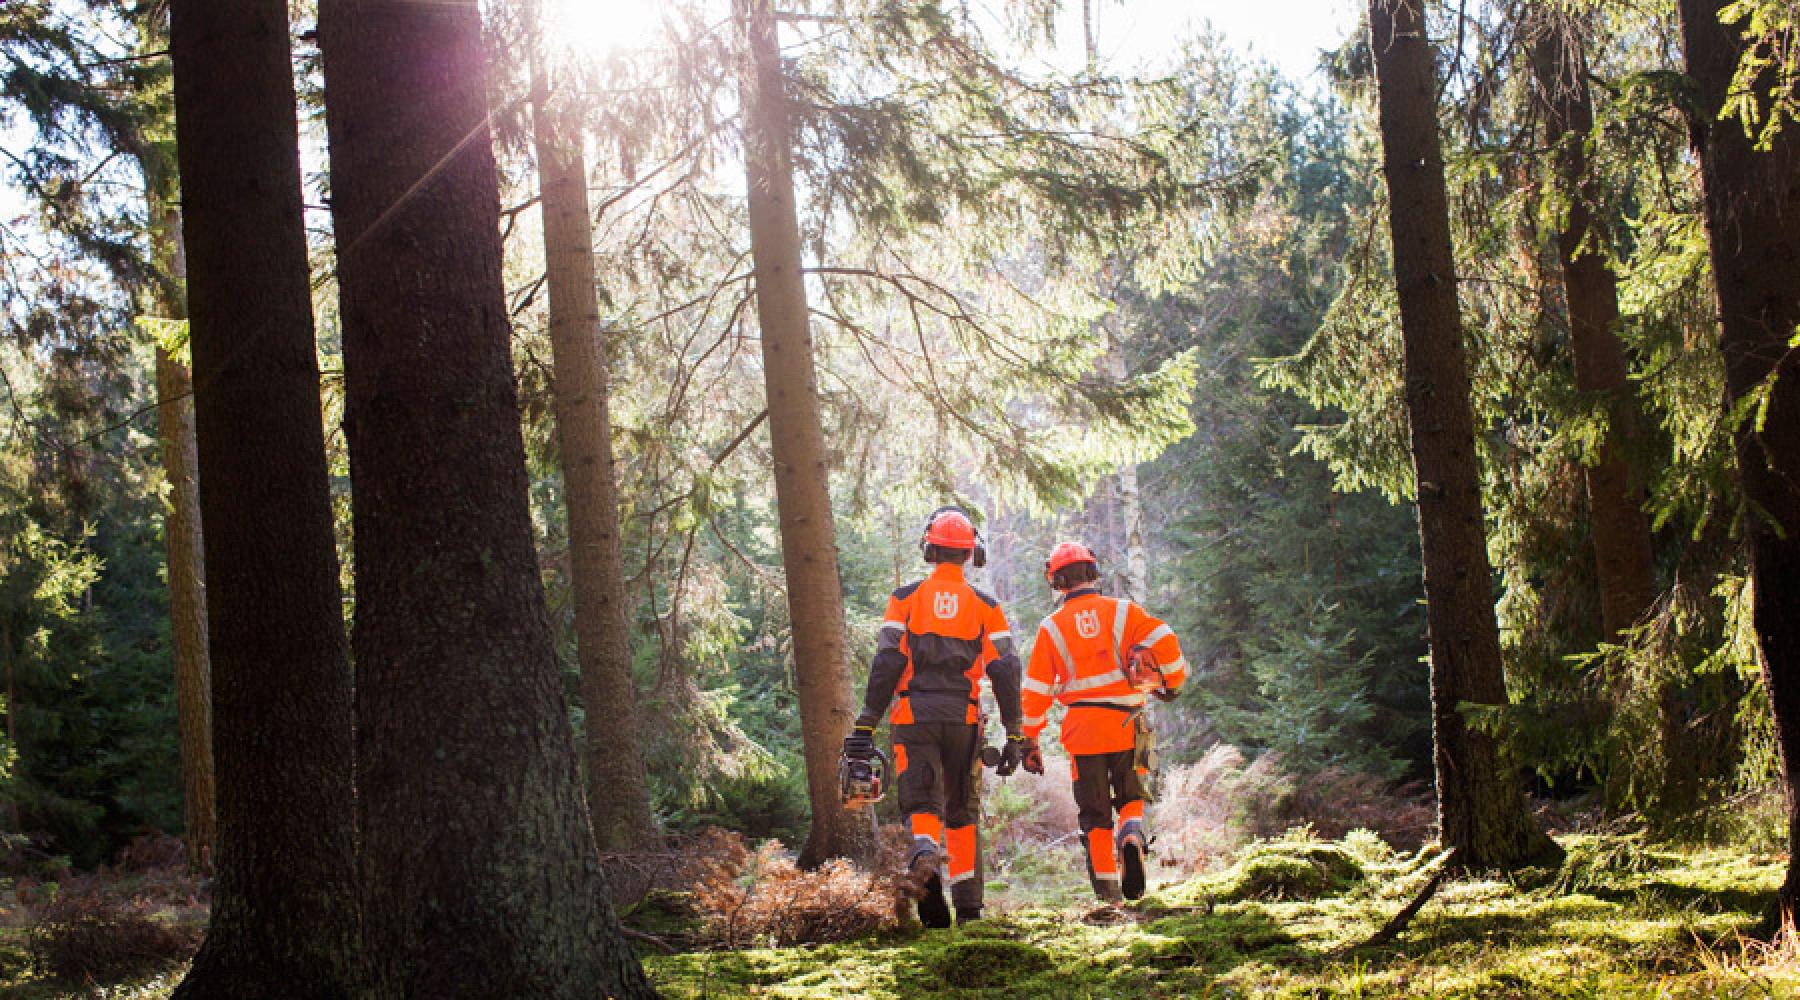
(1620, 919)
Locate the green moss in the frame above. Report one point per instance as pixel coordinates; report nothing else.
(979, 963)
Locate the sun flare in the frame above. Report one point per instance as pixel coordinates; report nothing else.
(602, 27)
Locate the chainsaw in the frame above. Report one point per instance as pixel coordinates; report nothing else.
(862, 781)
(1144, 675)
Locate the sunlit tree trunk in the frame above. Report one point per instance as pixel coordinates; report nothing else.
(479, 876)
(797, 441)
(618, 797)
(182, 539)
(1623, 553)
(1620, 527)
(284, 919)
(1752, 207)
(1482, 812)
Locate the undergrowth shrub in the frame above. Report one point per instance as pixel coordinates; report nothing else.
(1209, 809)
(88, 937)
(761, 898)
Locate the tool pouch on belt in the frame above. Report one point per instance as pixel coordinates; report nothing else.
(1144, 755)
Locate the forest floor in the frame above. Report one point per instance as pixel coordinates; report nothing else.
(1620, 919)
(1285, 919)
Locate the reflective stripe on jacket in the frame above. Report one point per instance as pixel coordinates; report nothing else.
(938, 638)
(1077, 660)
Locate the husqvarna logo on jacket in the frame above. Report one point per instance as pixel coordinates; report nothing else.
(943, 604)
(1087, 623)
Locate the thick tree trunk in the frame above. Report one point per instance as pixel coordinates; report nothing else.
(1752, 205)
(479, 874)
(1621, 529)
(182, 538)
(284, 920)
(618, 796)
(797, 440)
(1482, 813)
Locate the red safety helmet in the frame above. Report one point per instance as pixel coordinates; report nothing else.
(1067, 554)
(950, 529)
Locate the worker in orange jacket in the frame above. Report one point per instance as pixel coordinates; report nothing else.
(1100, 657)
(938, 638)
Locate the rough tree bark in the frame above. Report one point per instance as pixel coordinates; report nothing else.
(1482, 813)
(618, 796)
(284, 921)
(797, 440)
(182, 534)
(1622, 547)
(1752, 208)
(479, 876)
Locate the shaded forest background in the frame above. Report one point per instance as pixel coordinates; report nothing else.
(1234, 339)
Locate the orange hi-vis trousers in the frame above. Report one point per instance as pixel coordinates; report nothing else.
(940, 793)
(1105, 782)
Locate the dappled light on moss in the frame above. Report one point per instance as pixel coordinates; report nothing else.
(985, 962)
(1623, 934)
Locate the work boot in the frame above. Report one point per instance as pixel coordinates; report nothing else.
(925, 882)
(967, 914)
(1131, 859)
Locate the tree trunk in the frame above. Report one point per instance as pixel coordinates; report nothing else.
(479, 874)
(284, 919)
(181, 529)
(618, 796)
(797, 441)
(1621, 529)
(1752, 206)
(1482, 813)
(1623, 553)
(1134, 574)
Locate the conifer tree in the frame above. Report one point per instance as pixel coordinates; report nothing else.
(479, 876)
(284, 919)
(1482, 813)
(1752, 214)
(797, 441)
(617, 794)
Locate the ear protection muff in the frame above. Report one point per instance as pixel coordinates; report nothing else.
(980, 556)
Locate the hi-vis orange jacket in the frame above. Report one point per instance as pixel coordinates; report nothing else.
(937, 639)
(1077, 659)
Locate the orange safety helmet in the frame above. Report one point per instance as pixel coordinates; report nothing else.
(950, 529)
(1067, 554)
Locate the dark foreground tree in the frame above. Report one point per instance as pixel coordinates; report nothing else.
(283, 914)
(1482, 813)
(618, 794)
(479, 876)
(1752, 207)
(797, 442)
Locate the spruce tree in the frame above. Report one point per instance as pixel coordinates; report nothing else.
(479, 875)
(1752, 213)
(284, 919)
(1482, 812)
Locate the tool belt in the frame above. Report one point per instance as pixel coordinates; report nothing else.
(1144, 751)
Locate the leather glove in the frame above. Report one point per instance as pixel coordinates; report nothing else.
(860, 744)
(1020, 751)
(1010, 756)
(1032, 758)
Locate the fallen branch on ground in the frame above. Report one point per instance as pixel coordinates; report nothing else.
(1391, 930)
